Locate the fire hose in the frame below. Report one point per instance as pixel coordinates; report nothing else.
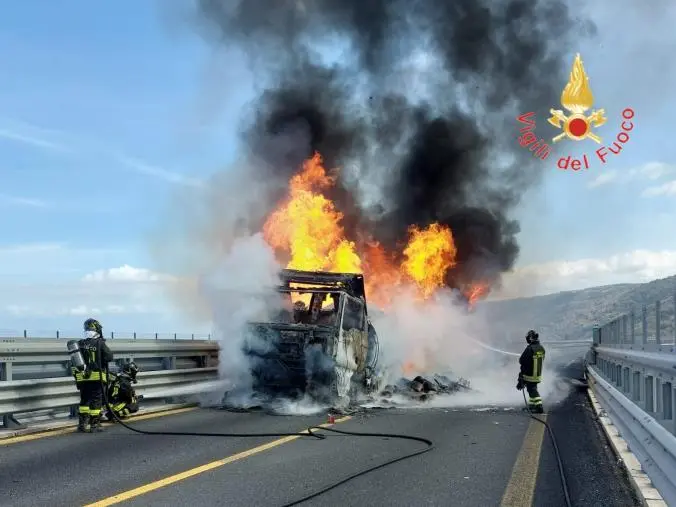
(559, 462)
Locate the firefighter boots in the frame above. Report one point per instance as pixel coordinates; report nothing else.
(83, 423)
(96, 425)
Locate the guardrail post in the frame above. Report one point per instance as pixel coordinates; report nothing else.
(6, 371)
(644, 312)
(658, 305)
(669, 404)
(649, 387)
(134, 335)
(596, 335)
(625, 328)
(57, 333)
(25, 334)
(613, 332)
(632, 317)
(674, 333)
(659, 402)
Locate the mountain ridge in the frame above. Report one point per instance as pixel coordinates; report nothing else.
(571, 315)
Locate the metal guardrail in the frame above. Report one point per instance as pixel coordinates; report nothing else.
(650, 442)
(638, 356)
(32, 358)
(652, 328)
(632, 363)
(564, 344)
(124, 335)
(22, 396)
(35, 373)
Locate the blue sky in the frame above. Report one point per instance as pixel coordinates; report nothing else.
(108, 110)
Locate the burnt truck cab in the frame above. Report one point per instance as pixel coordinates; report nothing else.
(321, 343)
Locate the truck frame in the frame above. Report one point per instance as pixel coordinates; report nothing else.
(329, 355)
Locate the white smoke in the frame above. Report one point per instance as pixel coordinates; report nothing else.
(439, 336)
(240, 290)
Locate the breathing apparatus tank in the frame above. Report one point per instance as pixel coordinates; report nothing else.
(76, 358)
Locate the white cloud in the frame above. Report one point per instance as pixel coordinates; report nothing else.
(12, 200)
(650, 171)
(118, 292)
(28, 248)
(39, 142)
(84, 310)
(126, 273)
(159, 172)
(668, 188)
(603, 179)
(655, 170)
(630, 267)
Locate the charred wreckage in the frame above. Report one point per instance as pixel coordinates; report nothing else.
(323, 345)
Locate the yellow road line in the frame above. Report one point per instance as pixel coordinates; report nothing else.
(520, 489)
(152, 486)
(70, 429)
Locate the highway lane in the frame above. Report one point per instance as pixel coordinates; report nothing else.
(473, 463)
(471, 467)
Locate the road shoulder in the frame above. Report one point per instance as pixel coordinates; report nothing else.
(65, 425)
(593, 473)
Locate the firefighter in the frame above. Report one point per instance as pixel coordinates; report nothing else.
(530, 376)
(121, 394)
(96, 356)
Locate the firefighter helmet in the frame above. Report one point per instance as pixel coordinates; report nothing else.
(130, 369)
(93, 325)
(532, 336)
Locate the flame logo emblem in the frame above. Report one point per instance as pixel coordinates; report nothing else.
(577, 98)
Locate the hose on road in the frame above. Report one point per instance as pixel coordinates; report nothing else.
(559, 462)
(429, 443)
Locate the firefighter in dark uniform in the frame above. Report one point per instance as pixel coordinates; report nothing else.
(121, 393)
(531, 361)
(96, 356)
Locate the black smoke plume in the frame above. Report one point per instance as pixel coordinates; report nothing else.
(415, 100)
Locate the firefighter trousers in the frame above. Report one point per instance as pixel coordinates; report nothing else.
(534, 399)
(123, 409)
(91, 398)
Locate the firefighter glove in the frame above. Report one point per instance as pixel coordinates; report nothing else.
(520, 385)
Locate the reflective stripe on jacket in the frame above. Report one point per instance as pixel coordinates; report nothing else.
(531, 362)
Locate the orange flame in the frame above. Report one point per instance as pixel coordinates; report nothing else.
(430, 253)
(308, 226)
(476, 292)
(306, 229)
(383, 275)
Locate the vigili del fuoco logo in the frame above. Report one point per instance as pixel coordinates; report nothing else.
(579, 124)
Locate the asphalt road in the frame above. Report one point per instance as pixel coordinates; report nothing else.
(472, 464)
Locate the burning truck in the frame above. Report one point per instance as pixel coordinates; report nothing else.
(321, 343)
